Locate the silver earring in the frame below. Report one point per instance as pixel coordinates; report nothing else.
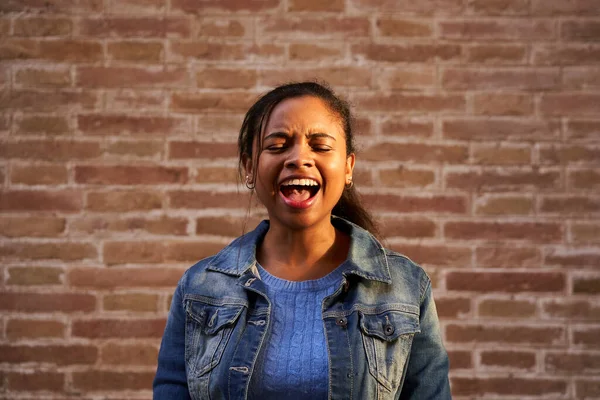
(249, 184)
(349, 185)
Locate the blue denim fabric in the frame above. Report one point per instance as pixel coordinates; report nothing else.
(381, 327)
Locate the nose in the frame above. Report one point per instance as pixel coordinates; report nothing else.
(299, 156)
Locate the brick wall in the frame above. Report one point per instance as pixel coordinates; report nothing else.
(479, 127)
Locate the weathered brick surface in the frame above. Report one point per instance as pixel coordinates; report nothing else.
(478, 128)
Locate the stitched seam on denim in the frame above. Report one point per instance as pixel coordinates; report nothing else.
(221, 301)
(406, 308)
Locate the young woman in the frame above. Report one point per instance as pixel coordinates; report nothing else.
(309, 305)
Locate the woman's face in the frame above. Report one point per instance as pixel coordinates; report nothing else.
(303, 166)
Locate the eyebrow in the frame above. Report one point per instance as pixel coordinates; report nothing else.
(277, 135)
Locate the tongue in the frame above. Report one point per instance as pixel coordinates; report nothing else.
(296, 194)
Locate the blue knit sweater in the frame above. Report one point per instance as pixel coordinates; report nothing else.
(295, 361)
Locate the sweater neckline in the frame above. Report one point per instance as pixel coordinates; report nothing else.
(279, 284)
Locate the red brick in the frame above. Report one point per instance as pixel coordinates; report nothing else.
(577, 129)
(503, 205)
(406, 177)
(571, 310)
(585, 31)
(448, 307)
(130, 77)
(488, 333)
(121, 100)
(586, 233)
(503, 179)
(53, 101)
(123, 201)
(313, 27)
(226, 78)
(136, 51)
(108, 278)
(70, 50)
(217, 175)
(438, 255)
(541, 232)
(572, 257)
(586, 336)
(388, 26)
(423, 53)
(404, 127)
(94, 380)
(125, 124)
(225, 6)
(440, 204)
(40, 26)
(499, 7)
(336, 76)
(50, 302)
(225, 226)
(35, 200)
(316, 52)
(43, 78)
(508, 359)
(402, 103)
(201, 150)
(203, 50)
(566, 54)
(136, 27)
(584, 179)
(501, 78)
(51, 354)
(506, 281)
(208, 199)
(496, 54)
(138, 302)
(416, 152)
(406, 6)
(581, 77)
(407, 77)
(38, 124)
(460, 359)
(65, 251)
(508, 104)
(486, 387)
(570, 205)
(137, 354)
(569, 154)
(316, 5)
(38, 380)
(149, 252)
(34, 276)
(225, 27)
(117, 328)
(573, 363)
(17, 329)
(130, 175)
(497, 154)
(51, 150)
(408, 227)
(31, 226)
(586, 284)
(207, 102)
(501, 29)
(508, 257)
(587, 389)
(39, 174)
(514, 309)
(61, 6)
(565, 7)
(137, 148)
(19, 49)
(107, 225)
(136, 7)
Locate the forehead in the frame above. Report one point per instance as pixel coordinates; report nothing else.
(304, 113)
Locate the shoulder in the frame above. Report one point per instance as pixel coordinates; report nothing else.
(405, 271)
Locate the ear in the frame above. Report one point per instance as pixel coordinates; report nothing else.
(247, 162)
(350, 166)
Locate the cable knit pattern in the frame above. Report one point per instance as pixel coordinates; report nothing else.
(295, 362)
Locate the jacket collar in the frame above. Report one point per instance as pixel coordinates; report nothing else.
(366, 257)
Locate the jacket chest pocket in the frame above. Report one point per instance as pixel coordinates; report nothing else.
(207, 331)
(387, 339)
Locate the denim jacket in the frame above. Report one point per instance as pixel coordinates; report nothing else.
(381, 326)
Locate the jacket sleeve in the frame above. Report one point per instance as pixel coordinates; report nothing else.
(427, 371)
(170, 381)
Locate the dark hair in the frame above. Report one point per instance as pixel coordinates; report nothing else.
(349, 206)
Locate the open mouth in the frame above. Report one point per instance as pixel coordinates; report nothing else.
(299, 190)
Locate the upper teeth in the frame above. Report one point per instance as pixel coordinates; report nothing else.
(300, 182)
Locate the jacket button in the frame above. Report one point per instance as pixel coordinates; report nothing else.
(388, 329)
(341, 322)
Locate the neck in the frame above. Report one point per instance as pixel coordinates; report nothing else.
(304, 254)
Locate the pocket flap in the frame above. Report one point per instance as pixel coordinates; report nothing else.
(389, 325)
(212, 318)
